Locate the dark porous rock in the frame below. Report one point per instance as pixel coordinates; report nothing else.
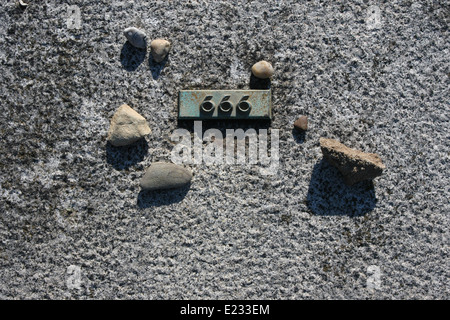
(301, 123)
(164, 175)
(354, 165)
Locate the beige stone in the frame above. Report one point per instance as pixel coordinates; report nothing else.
(262, 70)
(159, 48)
(162, 175)
(127, 126)
(354, 165)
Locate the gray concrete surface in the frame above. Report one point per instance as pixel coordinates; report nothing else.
(74, 224)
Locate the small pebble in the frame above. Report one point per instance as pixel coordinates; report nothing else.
(165, 175)
(136, 37)
(301, 123)
(127, 126)
(23, 3)
(262, 70)
(160, 48)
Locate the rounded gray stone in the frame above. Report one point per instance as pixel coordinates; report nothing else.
(136, 37)
(164, 175)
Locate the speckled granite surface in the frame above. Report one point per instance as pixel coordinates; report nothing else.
(74, 224)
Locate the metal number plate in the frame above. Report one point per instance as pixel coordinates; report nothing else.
(224, 104)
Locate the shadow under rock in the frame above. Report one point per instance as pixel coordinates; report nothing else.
(124, 157)
(156, 67)
(131, 57)
(259, 84)
(299, 136)
(328, 195)
(157, 198)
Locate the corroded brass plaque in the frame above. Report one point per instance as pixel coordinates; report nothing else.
(224, 104)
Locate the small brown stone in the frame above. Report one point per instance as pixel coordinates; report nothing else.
(262, 70)
(160, 49)
(354, 165)
(301, 123)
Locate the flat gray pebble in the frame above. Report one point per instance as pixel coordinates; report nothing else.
(162, 175)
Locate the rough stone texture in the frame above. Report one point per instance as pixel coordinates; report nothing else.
(136, 37)
(160, 49)
(355, 165)
(301, 123)
(127, 126)
(161, 175)
(262, 70)
(66, 199)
